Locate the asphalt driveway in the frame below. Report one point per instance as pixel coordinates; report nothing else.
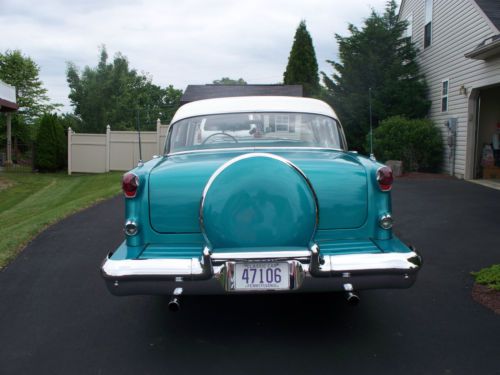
(56, 317)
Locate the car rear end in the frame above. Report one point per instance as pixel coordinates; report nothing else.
(259, 219)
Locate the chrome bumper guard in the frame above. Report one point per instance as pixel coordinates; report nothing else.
(309, 271)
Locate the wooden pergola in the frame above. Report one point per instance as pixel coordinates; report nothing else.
(8, 105)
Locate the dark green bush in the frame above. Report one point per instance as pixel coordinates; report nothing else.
(51, 145)
(417, 143)
(489, 276)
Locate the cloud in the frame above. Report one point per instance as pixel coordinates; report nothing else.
(177, 42)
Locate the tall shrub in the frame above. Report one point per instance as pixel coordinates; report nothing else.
(417, 143)
(50, 152)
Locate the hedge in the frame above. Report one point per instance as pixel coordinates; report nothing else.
(416, 142)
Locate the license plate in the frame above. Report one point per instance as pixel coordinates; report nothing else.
(261, 276)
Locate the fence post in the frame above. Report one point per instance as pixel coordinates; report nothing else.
(33, 155)
(70, 133)
(158, 131)
(9, 138)
(108, 153)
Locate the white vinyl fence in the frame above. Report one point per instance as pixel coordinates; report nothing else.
(113, 151)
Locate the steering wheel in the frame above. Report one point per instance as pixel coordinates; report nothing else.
(220, 133)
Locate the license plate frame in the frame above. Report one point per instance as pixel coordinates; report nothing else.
(260, 276)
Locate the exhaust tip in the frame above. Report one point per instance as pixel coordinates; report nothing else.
(174, 305)
(352, 298)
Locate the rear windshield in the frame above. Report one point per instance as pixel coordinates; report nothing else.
(255, 130)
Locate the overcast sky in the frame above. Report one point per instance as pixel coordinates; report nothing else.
(178, 42)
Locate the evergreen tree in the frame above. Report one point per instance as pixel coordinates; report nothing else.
(302, 68)
(50, 152)
(376, 57)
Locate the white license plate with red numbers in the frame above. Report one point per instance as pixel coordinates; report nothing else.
(261, 276)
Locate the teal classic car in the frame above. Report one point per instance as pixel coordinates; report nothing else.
(258, 195)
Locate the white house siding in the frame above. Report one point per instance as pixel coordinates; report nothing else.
(458, 26)
(7, 92)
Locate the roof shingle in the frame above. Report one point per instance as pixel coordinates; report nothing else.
(199, 92)
(492, 10)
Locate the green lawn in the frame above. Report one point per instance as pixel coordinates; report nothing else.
(29, 202)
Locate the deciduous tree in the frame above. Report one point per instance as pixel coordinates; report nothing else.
(113, 93)
(23, 73)
(229, 81)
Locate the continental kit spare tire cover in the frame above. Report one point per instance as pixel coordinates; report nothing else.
(258, 200)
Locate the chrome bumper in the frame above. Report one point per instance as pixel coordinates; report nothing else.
(309, 272)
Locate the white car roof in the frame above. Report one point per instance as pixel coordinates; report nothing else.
(253, 104)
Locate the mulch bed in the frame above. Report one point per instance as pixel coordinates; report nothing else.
(487, 297)
(4, 184)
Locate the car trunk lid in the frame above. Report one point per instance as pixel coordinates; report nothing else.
(177, 183)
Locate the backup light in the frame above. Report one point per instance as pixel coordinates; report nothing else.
(131, 228)
(386, 221)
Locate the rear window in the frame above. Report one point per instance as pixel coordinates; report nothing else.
(255, 130)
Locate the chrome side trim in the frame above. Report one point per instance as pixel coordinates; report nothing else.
(248, 156)
(255, 148)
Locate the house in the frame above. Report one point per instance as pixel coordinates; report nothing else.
(199, 92)
(459, 53)
(7, 106)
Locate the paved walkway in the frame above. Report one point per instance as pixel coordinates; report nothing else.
(493, 183)
(56, 317)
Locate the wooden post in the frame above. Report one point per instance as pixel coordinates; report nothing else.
(70, 133)
(9, 139)
(108, 151)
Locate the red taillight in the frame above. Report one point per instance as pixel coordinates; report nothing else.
(130, 183)
(384, 178)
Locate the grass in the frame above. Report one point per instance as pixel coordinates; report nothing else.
(29, 202)
(489, 276)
